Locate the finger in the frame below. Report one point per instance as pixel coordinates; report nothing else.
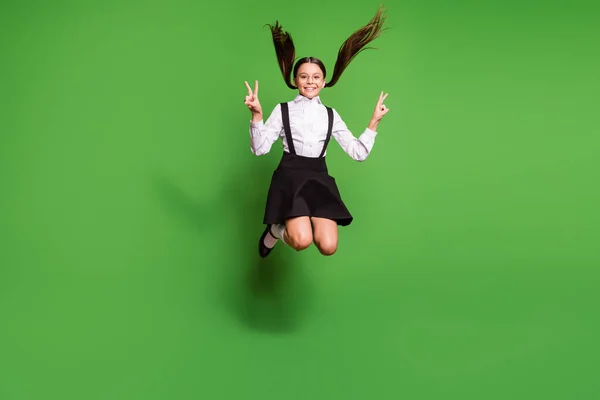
(384, 97)
(380, 95)
(249, 90)
(256, 88)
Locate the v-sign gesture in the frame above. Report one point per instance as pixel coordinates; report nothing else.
(379, 112)
(380, 108)
(252, 101)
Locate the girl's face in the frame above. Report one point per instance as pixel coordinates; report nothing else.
(309, 80)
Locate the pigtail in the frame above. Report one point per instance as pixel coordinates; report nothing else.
(285, 51)
(355, 44)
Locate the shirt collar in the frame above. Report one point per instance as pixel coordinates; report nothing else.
(300, 98)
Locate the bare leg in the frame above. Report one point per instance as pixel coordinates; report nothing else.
(325, 235)
(298, 233)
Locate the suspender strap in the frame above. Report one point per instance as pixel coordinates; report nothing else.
(329, 129)
(285, 115)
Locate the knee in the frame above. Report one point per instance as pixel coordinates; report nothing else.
(300, 240)
(327, 247)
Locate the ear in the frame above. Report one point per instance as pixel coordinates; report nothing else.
(323, 84)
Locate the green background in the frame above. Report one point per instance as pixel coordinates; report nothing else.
(130, 205)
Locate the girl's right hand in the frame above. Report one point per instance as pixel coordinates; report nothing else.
(252, 101)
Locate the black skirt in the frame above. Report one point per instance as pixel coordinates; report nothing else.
(302, 186)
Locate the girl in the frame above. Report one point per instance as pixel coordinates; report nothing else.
(303, 202)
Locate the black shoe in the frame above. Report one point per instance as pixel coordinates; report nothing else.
(263, 250)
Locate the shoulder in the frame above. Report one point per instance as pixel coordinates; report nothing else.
(276, 110)
(279, 106)
(336, 115)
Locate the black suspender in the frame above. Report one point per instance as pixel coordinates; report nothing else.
(285, 116)
(329, 128)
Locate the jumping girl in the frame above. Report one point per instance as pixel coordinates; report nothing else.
(303, 203)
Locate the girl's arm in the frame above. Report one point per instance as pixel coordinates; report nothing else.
(359, 149)
(262, 136)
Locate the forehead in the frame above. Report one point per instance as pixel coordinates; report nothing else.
(309, 68)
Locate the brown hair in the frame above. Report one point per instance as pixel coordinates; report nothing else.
(286, 52)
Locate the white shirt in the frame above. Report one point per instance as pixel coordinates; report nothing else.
(308, 124)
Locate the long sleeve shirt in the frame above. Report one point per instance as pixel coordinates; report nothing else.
(308, 124)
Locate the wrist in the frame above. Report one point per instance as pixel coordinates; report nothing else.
(257, 117)
(373, 124)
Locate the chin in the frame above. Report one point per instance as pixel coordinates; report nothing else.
(310, 95)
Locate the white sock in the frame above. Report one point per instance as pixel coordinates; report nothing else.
(270, 240)
(278, 231)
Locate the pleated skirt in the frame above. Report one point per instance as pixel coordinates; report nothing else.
(302, 186)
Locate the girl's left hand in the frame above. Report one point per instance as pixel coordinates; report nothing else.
(380, 108)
